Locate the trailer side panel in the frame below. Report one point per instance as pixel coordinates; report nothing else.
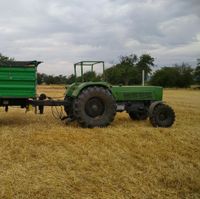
(18, 82)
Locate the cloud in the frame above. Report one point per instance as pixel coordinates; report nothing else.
(62, 32)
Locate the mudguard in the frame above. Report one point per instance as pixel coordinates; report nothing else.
(153, 105)
(75, 89)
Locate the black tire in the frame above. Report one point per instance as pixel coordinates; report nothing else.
(138, 115)
(162, 116)
(95, 107)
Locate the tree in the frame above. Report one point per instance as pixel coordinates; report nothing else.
(166, 77)
(112, 75)
(129, 69)
(50, 79)
(70, 79)
(145, 63)
(123, 72)
(176, 76)
(5, 58)
(197, 75)
(186, 77)
(89, 76)
(40, 78)
(126, 68)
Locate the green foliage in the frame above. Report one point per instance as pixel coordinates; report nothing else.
(197, 75)
(146, 62)
(70, 79)
(120, 74)
(176, 76)
(129, 69)
(60, 79)
(50, 79)
(91, 76)
(5, 58)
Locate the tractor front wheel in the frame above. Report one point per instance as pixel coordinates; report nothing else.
(94, 107)
(162, 116)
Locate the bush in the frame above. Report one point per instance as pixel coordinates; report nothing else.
(177, 76)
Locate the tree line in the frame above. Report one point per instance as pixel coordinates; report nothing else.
(128, 71)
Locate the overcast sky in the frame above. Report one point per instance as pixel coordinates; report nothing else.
(61, 32)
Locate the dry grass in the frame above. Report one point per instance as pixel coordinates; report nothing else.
(41, 157)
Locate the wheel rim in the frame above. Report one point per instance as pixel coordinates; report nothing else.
(163, 115)
(94, 107)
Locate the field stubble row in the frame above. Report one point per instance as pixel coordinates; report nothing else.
(41, 157)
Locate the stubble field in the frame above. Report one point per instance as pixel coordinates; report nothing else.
(41, 157)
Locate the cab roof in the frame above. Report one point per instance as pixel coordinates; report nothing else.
(20, 63)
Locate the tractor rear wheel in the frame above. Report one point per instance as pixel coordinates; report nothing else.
(162, 116)
(95, 107)
(139, 115)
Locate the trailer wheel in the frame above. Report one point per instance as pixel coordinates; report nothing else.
(95, 107)
(162, 116)
(138, 115)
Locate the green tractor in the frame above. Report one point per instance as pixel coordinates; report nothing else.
(94, 104)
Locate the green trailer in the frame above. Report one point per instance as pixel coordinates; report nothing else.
(91, 104)
(18, 79)
(18, 86)
(18, 82)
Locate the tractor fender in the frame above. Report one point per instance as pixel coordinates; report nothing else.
(153, 105)
(85, 85)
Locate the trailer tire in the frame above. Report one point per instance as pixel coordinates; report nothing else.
(94, 107)
(162, 116)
